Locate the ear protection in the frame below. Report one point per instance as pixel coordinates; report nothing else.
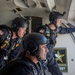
(15, 27)
(32, 48)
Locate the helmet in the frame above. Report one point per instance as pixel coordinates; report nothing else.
(5, 34)
(53, 16)
(42, 27)
(18, 22)
(32, 41)
(46, 30)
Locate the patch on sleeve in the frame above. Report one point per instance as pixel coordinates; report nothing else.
(1, 32)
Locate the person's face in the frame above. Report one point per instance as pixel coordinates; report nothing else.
(21, 32)
(58, 22)
(41, 31)
(43, 51)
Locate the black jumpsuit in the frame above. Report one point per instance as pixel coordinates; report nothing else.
(52, 63)
(22, 66)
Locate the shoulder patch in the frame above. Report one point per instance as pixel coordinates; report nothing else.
(1, 32)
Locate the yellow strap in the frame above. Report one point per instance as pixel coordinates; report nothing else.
(47, 34)
(17, 45)
(54, 44)
(3, 45)
(6, 42)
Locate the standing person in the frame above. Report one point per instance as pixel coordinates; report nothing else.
(35, 50)
(50, 31)
(5, 38)
(19, 27)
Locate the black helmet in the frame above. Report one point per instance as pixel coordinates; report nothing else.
(18, 22)
(42, 27)
(32, 41)
(54, 15)
(5, 34)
